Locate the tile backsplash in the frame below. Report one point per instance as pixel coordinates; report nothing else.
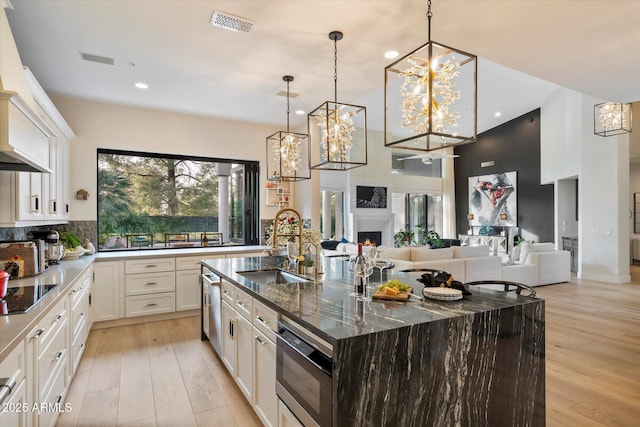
(83, 229)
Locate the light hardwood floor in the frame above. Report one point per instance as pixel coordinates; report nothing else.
(161, 374)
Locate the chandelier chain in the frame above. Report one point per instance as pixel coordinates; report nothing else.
(287, 106)
(335, 70)
(429, 15)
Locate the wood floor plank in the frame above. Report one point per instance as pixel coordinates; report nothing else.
(203, 390)
(75, 397)
(171, 399)
(147, 422)
(105, 367)
(99, 409)
(218, 417)
(136, 392)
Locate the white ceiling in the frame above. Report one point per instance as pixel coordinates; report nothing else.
(193, 67)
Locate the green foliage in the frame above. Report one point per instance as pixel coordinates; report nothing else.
(308, 261)
(404, 238)
(70, 240)
(432, 238)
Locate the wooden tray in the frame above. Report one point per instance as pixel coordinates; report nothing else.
(402, 296)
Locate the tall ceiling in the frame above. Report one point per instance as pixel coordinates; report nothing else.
(526, 48)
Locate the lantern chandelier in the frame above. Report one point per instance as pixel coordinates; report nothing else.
(431, 97)
(611, 118)
(288, 152)
(338, 130)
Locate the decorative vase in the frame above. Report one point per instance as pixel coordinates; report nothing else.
(308, 270)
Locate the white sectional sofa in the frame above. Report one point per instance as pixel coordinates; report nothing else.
(534, 263)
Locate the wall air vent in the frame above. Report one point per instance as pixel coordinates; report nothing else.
(230, 22)
(96, 58)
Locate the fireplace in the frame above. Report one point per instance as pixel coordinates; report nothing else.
(372, 238)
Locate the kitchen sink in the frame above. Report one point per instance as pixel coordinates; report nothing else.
(272, 276)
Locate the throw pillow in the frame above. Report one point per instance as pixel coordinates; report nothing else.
(524, 252)
(343, 240)
(329, 245)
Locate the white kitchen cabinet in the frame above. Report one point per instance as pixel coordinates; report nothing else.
(265, 400)
(80, 319)
(228, 344)
(286, 417)
(14, 366)
(30, 195)
(243, 337)
(187, 290)
(106, 290)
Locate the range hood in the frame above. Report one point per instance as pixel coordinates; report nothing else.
(24, 135)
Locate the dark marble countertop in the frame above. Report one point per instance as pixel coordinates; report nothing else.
(326, 308)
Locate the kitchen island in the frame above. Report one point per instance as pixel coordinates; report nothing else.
(474, 362)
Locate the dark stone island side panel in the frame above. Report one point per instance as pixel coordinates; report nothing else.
(484, 369)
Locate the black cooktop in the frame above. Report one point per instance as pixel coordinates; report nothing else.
(21, 299)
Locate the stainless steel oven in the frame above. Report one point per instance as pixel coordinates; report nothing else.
(304, 366)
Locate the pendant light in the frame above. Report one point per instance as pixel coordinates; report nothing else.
(611, 118)
(288, 152)
(431, 97)
(337, 130)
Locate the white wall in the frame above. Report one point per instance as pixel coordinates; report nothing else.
(102, 125)
(569, 148)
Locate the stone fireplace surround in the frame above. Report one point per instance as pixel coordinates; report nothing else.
(368, 222)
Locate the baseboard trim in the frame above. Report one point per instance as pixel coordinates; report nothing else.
(607, 278)
(145, 319)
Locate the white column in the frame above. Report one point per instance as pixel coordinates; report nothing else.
(339, 218)
(326, 215)
(223, 207)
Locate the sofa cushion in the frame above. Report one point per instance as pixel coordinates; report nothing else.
(422, 253)
(470, 251)
(396, 253)
(329, 244)
(526, 248)
(482, 268)
(455, 267)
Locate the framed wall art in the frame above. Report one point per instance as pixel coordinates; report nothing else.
(493, 200)
(371, 197)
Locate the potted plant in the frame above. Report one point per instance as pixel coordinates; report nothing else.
(404, 238)
(432, 238)
(307, 263)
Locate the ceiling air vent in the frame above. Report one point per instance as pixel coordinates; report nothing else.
(96, 58)
(230, 22)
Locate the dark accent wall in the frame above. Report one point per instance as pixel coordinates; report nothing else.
(513, 146)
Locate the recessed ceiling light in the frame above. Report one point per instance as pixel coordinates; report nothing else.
(141, 85)
(391, 54)
(300, 112)
(498, 114)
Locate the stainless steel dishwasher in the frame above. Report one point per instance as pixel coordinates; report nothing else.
(212, 282)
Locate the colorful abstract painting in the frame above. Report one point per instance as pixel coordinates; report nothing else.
(493, 200)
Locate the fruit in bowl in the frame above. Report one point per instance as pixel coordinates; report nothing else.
(78, 251)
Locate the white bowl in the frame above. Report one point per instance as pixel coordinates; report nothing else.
(74, 255)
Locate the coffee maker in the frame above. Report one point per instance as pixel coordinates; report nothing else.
(53, 249)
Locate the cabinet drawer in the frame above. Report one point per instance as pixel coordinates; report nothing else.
(149, 265)
(78, 314)
(80, 287)
(265, 319)
(51, 322)
(228, 292)
(143, 305)
(151, 283)
(193, 262)
(14, 365)
(77, 348)
(52, 358)
(243, 304)
(54, 396)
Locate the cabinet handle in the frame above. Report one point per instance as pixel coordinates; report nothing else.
(150, 283)
(58, 356)
(36, 203)
(150, 266)
(240, 303)
(66, 208)
(58, 317)
(152, 304)
(38, 333)
(81, 345)
(6, 387)
(82, 314)
(58, 399)
(266, 322)
(260, 340)
(55, 206)
(225, 292)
